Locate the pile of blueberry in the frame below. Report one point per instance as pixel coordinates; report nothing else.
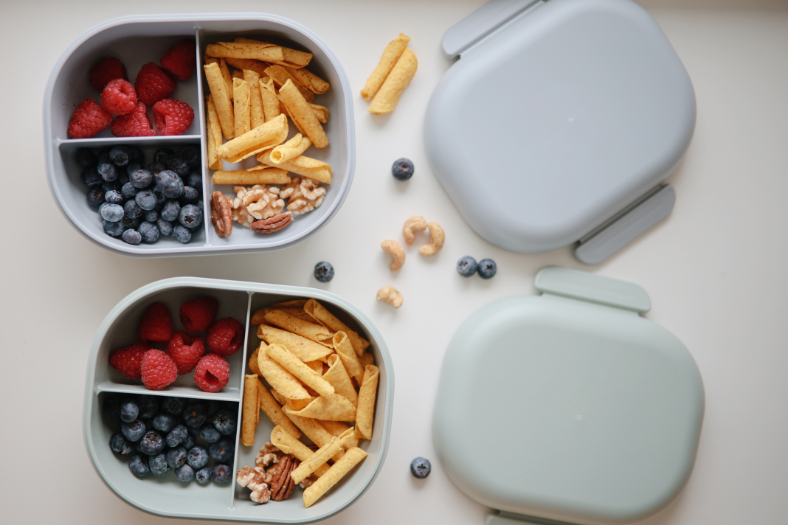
(140, 202)
(160, 434)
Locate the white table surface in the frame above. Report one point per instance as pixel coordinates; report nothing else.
(715, 268)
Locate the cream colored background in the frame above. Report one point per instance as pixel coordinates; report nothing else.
(715, 269)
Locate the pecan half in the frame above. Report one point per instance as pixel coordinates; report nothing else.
(221, 214)
(282, 484)
(272, 224)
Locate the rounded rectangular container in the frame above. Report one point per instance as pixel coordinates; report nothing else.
(168, 497)
(141, 39)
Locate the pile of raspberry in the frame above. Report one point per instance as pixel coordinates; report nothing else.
(128, 103)
(162, 353)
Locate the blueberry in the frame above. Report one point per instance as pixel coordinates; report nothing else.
(158, 464)
(129, 411)
(95, 197)
(221, 451)
(203, 476)
(119, 156)
(155, 168)
(111, 212)
(133, 431)
(170, 184)
(149, 405)
(107, 171)
(194, 431)
(164, 422)
(141, 178)
(420, 467)
(195, 181)
(122, 179)
(179, 165)
(194, 415)
(113, 197)
(103, 154)
(176, 436)
(173, 405)
(184, 474)
(131, 168)
(132, 209)
(182, 234)
(225, 421)
(176, 457)
(171, 210)
(210, 434)
(146, 199)
(90, 176)
(191, 155)
(160, 199)
(111, 406)
(132, 237)
(151, 443)
(149, 232)
(136, 155)
(221, 473)
(212, 408)
(162, 154)
(324, 272)
(151, 216)
(467, 266)
(110, 186)
(197, 457)
(190, 216)
(128, 191)
(402, 169)
(200, 205)
(190, 195)
(85, 158)
(138, 466)
(115, 229)
(129, 224)
(188, 442)
(487, 268)
(165, 227)
(119, 445)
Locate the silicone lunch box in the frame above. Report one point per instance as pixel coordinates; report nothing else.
(559, 123)
(166, 496)
(568, 406)
(140, 39)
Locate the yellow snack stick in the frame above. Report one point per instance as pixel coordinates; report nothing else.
(321, 112)
(282, 440)
(241, 103)
(221, 99)
(259, 316)
(245, 63)
(270, 100)
(295, 366)
(295, 303)
(338, 377)
(321, 456)
(390, 56)
(228, 78)
(365, 414)
(253, 362)
(290, 149)
(214, 132)
(352, 457)
(274, 412)
(327, 408)
(250, 413)
(305, 349)
(367, 359)
(301, 165)
(251, 176)
(313, 331)
(299, 110)
(256, 115)
(318, 312)
(296, 405)
(335, 428)
(311, 429)
(255, 51)
(280, 379)
(292, 57)
(280, 76)
(264, 136)
(389, 93)
(309, 80)
(348, 356)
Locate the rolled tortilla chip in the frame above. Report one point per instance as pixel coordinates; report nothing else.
(256, 114)
(270, 100)
(280, 379)
(290, 149)
(221, 99)
(367, 359)
(321, 456)
(321, 112)
(292, 57)
(237, 74)
(274, 412)
(316, 366)
(365, 414)
(348, 356)
(327, 408)
(245, 63)
(252, 176)
(311, 429)
(295, 366)
(241, 106)
(263, 137)
(255, 51)
(259, 316)
(352, 457)
(329, 320)
(296, 405)
(338, 377)
(280, 76)
(309, 80)
(336, 428)
(282, 440)
(301, 165)
(315, 332)
(305, 349)
(253, 362)
(250, 414)
(299, 110)
(228, 78)
(390, 56)
(295, 303)
(387, 97)
(214, 132)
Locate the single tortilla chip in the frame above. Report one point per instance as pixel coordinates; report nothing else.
(294, 303)
(214, 132)
(316, 366)
(270, 99)
(365, 414)
(295, 366)
(290, 149)
(328, 408)
(301, 165)
(348, 356)
(299, 110)
(228, 78)
(329, 320)
(265, 136)
(256, 114)
(241, 105)
(252, 176)
(321, 456)
(309, 80)
(245, 63)
(256, 51)
(274, 412)
(297, 405)
(315, 332)
(259, 316)
(352, 457)
(280, 76)
(390, 56)
(321, 112)
(250, 413)
(311, 429)
(292, 57)
(338, 377)
(387, 97)
(253, 362)
(282, 440)
(305, 349)
(221, 99)
(367, 359)
(280, 379)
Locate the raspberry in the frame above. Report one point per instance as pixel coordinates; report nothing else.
(88, 119)
(108, 69)
(172, 117)
(158, 370)
(127, 360)
(212, 373)
(225, 336)
(180, 60)
(156, 324)
(198, 313)
(119, 97)
(185, 350)
(135, 124)
(153, 84)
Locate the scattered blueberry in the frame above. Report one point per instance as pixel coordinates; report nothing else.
(141, 178)
(324, 272)
(197, 457)
(195, 181)
(191, 155)
(90, 176)
(221, 451)
(194, 415)
(107, 171)
(132, 237)
(170, 184)
(176, 457)
(138, 466)
(176, 436)
(128, 191)
(203, 476)
(170, 211)
(420, 467)
(179, 165)
(133, 431)
(200, 205)
(190, 216)
(129, 411)
(114, 197)
(190, 195)
(194, 431)
(146, 199)
(119, 156)
(115, 229)
(85, 158)
(173, 405)
(149, 405)
(151, 443)
(487, 268)
(188, 443)
(162, 154)
(130, 224)
(111, 185)
(225, 421)
(184, 474)
(467, 266)
(158, 464)
(165, 227)
(402, 169)
(155, 167)
(122, 179)
(95, 197)
(151, 216)
(131, 168)
(210, 434)
(132, 209)
(111, 212)
(163, 422)
(119, 445)
(149, 232)
(221, 473)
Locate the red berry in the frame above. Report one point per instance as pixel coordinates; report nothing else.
(198, 313)
(156, 324)
(185, 350)
(135, 124)
(119, 97)
(128, 360)
(153, 84)
(212, 373)
(88, 119)
(172, 117)
(225, 336)
(108, 69)
(180, 60)
(158, 370)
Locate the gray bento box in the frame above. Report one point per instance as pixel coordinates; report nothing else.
(167, 496)
(136, 40)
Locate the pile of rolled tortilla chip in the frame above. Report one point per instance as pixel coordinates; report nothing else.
(249, 111)
(323, 385)
(391, 76)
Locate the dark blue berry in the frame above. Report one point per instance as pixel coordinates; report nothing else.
(402, 169)
(151, 443)
(203, 476)
(210, 434)
(146, 199)
(164, 422)
(107, 171)
(141, 178)
(119, 445)
(113, 197)
(103, 154)
(155, 168)
(221, 473)
(115, 229)
(176, 457)
(128, 191)
(173, 405)
(190, 195)
(111, 406)
(111, 212)
(188, 443)
(194, 415)
(200, 205)
(191, 155)
(138, 466)
(158, 465)
(131, 168)
(95, 197)
(171, 210)
(182, 234)
(136, 155)
(165, 227)
(324, 271)
(119, 156)
(132, 237)
(133, 431)
(85, 158)
(151, 216)
(149, 405)
(487, 268)
(197, 457)
(212, 408)
(110, 186)
(194, 431)
(176, 436)
(130, 224)
(122, 180)
(149, 232)
(90, 176)
(195, 181)
(221, 451)
(190, 216)
(184, 474)
(170, 184)
(160, 199)
(129, 411)
(132, 209)
(467, 266)
(179, 165)
(225, 421)
(162, 154)
(420, 467)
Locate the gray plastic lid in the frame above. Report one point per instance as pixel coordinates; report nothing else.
(569, 406)
(558, 117)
